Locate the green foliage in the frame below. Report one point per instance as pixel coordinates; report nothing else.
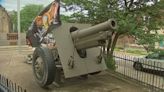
(161, 37)
(161, 53)
(110, 62)
(128, 13)
(64, 18)
(28, 13)
(98, 10)
(136, 51)
(14, 20)
(156, 55)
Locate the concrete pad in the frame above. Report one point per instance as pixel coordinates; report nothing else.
(13, 67)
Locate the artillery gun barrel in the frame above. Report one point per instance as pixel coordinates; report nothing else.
(108, 25)
(93, 36)
(92, 41)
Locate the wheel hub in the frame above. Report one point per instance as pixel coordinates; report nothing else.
(39, 68)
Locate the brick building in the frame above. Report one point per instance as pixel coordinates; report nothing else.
(5, 21)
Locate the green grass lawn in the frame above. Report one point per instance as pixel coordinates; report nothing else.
(136, 51)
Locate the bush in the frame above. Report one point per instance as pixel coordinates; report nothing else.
(161, 53)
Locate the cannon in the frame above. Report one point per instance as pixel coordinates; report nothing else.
(77, 52)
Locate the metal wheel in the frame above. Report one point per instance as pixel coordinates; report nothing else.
(43, 66)
(39, 68)
(138, 66)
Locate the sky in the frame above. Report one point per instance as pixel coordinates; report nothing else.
(12, 4)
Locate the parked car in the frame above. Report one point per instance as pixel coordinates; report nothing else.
(154, 61)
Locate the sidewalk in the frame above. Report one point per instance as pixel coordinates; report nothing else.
(13, 47)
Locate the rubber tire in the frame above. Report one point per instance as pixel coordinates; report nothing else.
(137, 66)
(49, 66)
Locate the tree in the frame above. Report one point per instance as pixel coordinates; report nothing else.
(135, 18)
(28, 13)
(14, 19)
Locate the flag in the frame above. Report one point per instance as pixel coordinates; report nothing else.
(50, 16)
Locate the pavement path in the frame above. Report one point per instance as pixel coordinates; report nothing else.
(13, 67)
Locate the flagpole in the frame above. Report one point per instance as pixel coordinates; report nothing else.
(18, 24)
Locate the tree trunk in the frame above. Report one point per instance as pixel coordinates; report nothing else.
(114, 44)
(109, 44)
